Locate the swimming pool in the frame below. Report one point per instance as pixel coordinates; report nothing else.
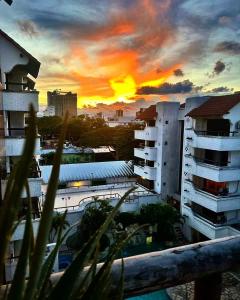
(158, 295)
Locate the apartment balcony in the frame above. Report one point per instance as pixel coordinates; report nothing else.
(147, 134)
(149, 153)
(14, 145)
(19, 101)
(210, 170)
(204, 226)
(145, 172)
(215, 203)
(19, 231)
(214, 140)
(34, 186)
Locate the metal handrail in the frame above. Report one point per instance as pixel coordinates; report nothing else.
(222, 133)
(208, 161)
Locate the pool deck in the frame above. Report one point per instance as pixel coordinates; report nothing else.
(72, 198)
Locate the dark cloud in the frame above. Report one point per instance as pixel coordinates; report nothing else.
(178, 73)
(229, 47)
(221, 89)
(181, 87)
(28, 27)
(219, 67)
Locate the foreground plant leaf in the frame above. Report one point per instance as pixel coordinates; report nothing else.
(18, 283)
(69, 283)
(14, 189)
(45, 222)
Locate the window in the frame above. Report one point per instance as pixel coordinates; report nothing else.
(238, 125)
(166, 122)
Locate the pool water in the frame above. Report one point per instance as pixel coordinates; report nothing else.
(158, 295)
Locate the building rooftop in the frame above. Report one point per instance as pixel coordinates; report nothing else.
(103, 149)
(215, 106)
(76, 150)
(89, 171)
(149, 113)
(33, 65)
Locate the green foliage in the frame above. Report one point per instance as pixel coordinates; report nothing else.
(93, 132)
(163, 215)
(49, 125)
(94, 216)
(126, 219)
(72, 284)
(58, 221)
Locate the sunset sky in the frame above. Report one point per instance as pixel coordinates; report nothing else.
(128, 50)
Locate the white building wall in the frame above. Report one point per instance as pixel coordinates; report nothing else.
(224, 174)
(168, 147)
(10, 57)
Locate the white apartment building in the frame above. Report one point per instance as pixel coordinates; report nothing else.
(16, 94)
(210, 200)
(158, 149)
(194, 150)
(49, 111)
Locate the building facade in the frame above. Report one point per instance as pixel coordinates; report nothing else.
(192, 153)
(210, 200)
(63, 102)
(49, 111)
(158, 148)
(16, 94)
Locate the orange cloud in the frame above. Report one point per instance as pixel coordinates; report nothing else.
(108, 63)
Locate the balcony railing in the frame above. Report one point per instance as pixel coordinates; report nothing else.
(13, 132)
(20, 86)
(215, 133)
(202, 262)
(216, 163)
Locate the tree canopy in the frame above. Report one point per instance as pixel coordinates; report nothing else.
(84, 131)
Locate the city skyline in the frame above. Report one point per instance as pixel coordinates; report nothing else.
(123, 51)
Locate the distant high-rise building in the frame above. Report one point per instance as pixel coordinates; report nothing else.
(63, 102)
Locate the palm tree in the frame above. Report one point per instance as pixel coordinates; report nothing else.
(58, 221)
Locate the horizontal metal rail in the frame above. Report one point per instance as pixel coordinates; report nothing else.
(217, 133)
(202, 262)
(162, 269)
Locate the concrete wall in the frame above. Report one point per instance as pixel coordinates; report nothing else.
(168, 147)
(10, 56)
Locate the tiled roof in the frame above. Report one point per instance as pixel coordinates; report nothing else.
(149, 113)
(215, 106)
(89, 171)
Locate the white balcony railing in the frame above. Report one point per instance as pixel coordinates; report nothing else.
(19, 101)
(206, 227)
(147, 134)
(149, 153)
(211, 172)
(201, 139)
(14, 145)
(34, 187)
(19, 231)
(145, 172)
(210, 201)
